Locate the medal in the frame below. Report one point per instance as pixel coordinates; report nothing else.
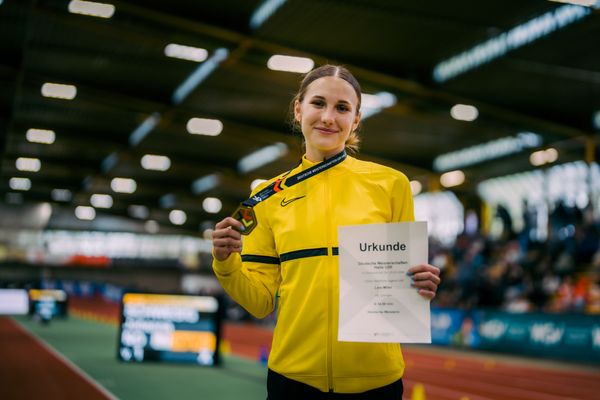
(246, 216)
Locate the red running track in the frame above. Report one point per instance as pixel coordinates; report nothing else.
(31, 370)
(449, 374)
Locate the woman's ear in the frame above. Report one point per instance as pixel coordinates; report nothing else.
(356, 121)
(297, 111)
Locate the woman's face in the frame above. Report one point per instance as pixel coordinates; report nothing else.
(327, 116)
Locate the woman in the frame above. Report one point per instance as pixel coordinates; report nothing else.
(291, 250)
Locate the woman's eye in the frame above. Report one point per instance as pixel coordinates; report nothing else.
(318, 103)
(343, 108)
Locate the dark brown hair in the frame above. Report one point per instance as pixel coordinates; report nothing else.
(353, 141)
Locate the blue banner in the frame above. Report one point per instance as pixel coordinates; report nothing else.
(566, 336)
(446, 326)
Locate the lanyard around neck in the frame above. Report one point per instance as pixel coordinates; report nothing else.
(286, 182)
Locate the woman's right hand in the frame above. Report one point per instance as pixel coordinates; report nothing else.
(227, 238)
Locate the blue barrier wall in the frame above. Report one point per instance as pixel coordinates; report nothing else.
(563, 336)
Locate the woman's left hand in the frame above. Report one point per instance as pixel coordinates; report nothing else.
(426, 279)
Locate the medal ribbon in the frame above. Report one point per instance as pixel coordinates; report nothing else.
(284, 183)
(245, 214)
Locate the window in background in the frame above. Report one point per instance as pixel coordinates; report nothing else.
(444, 215)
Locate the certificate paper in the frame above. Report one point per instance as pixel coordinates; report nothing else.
(377, 303)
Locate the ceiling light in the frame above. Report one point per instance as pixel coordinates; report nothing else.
(537, 158)
(101, 200)
(155, 162)
(212, 205)
(596, 120)
(205, 184)
(515, 38)
(542, 157)
(93, 9)
(144, 129)
(186, 52)
(264, 12)
(371, 104)
(87, 182)
(584, 3)
(19, 184)
(290, 64)
(43, 136)
(177, 217)
(85, 213)
(28, 164)
(199, 75)
(204, 126)
(138, 211)
(486, 151)
(377, 100)
(551, 155)
(151, 226)
(262, 157)
(61, 195)
(123, 185)
(452, 178)
(256, 182)
(168, 200)
(464, 112)
(369, 100)
(109, 162)
(43, 211)
(59, 91)
(416, 187)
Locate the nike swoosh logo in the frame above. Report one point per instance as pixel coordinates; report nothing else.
(285, 203)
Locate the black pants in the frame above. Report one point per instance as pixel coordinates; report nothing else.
(281, 388)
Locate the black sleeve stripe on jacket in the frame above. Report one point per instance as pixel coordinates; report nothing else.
(260, 259)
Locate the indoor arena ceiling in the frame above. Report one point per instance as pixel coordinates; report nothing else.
(530, 66)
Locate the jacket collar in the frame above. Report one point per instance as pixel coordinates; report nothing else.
(306, 163)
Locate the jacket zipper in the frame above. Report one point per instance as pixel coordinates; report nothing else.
(329, 290)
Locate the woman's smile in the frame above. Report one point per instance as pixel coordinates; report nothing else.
(326, 130)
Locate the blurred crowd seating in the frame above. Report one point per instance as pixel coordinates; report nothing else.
(518, 273)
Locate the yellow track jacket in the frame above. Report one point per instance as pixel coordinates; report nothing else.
(293, 250)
